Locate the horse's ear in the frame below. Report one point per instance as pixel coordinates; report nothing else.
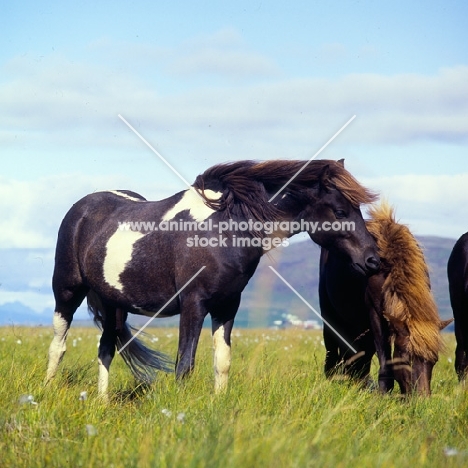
(445, 323)
(341, 162)
(324, 178)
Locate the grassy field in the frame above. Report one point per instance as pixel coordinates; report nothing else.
(279, 410)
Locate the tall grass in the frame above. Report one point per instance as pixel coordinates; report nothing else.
(279, 410)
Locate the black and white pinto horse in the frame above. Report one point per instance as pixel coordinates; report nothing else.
(123, 270)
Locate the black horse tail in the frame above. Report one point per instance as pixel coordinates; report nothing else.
(142, 361)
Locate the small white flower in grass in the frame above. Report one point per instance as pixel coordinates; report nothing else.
(166, 412)
(181, 417)
(91, 430)
(450, 452)
(83, 396)
(74, 343)
(169, 335)
(449, 360)
(18, 341)
(154, 339)
(24, 399)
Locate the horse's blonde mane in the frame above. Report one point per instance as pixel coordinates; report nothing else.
(406, 291)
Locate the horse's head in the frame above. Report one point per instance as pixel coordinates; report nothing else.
(412, 371)
(337, 224)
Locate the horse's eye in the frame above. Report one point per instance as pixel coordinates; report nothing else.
(340, 214)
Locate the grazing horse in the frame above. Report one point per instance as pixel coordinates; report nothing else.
(129, 255)
(395, 305)
(457, 271)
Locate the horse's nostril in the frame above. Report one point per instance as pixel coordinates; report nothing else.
(373, 263)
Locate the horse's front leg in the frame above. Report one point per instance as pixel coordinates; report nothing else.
(222, 352)
(381, 332)
(191, 322)
(222, 321)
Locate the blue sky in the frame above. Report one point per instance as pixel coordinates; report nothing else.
(207, 82)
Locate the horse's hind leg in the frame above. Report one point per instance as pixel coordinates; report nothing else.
(66, 304)
(106, 351)
(57, 347)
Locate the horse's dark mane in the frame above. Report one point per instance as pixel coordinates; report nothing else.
(246, 185)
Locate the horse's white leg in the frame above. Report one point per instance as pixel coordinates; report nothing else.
(222, 359)
(104, 361)
(57, 347)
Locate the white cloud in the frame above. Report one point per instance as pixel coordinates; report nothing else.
(429, 204)
(32, 211)
(223, 53)
(72, 103)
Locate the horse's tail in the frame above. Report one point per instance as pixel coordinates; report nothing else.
(142, 361)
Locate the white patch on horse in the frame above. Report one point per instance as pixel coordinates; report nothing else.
(57, 347)
(119, 250)
(125, 195)
(222, 360)
(194, 203)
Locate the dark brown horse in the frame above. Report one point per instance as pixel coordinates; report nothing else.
(194, 253)
(457, 270)
(395, 306)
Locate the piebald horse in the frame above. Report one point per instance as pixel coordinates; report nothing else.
(129, 255)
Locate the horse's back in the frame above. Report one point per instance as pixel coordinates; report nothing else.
(457, 267)
(457, 273)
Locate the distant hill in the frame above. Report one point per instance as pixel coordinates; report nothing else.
(265, 299)
(18, 314)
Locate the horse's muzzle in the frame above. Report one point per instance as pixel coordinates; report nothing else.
(371, 266)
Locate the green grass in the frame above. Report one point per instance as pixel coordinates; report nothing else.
(279, 410)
